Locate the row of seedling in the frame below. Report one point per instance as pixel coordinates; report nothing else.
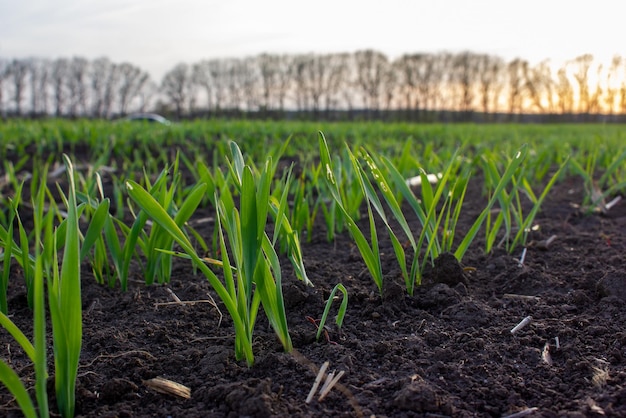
(125, 149)
(337, 189)
(129, 147)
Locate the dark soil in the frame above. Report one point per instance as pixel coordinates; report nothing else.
(447, 350)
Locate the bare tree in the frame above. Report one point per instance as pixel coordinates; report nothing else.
(18, 70)
(338, 78)
(565, 92)
(110, 91)
(490, 81)
(60, 69)
(319, 72)
(622, 97)
(465, 79)
(540, 87)
(268, 70)
(392, 93)
(219, 70)
(441, 96)
(248, 71)
(581, 65)
(320, 78)
(517, 70)
(132, 80)
(415, 81)
(77, 85)
(201, 76)
(372, 68)
(239, 83)
(301, 83)
(618, 67)
(612, 87)
(176, 86)
(39, 80)
(349, 83)
(4, 75)
(275, 80)
(101, 69)
(406, 68)
(233, 82)
(282, 80)
(596, 93)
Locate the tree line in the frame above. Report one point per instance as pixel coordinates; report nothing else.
(364, 84)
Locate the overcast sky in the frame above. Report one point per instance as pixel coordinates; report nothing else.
(157, 34)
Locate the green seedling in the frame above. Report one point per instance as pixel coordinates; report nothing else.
(517, 223)
(610, 182)
(525, 221)
(438, 225)
(369, 249)
(64, 301)
(254, 278)
(341, 313)
(158, 264)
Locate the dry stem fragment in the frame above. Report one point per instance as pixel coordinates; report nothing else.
(523, 257)
(545, 244)
(594, 407)
(168, 387)
(522, 324)
(613, 202)
(522, 413)
(341, 388)
(173, 295)
(318, 379)
(177, 301)
(545, 355)
(331, 381)
(114, 356)
(524, 297)
(417, 180)
(195, 222)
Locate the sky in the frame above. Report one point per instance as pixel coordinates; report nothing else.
(158, 34)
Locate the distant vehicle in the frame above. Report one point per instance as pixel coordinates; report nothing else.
(148, 117)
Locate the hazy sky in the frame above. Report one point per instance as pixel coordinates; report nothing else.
(157, 34)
